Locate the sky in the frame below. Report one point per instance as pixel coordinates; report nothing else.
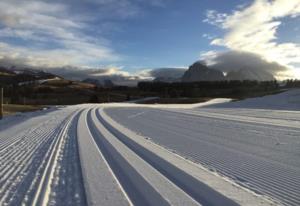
(131, 37)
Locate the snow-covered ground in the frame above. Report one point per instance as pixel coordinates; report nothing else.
(128, 154)
(289, 100)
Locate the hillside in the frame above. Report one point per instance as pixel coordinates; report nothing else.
(13, 77)
(36, 87)
(289, 100)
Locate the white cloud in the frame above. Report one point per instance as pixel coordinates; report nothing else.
(113, 70)
(215, 18)
(171, 72)
(52, 36)
(62, 37)
(208, 36)
(58, 33)
(72, 55)
(236, 60)
(255, 29)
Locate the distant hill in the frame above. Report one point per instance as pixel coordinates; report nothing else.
(200, 72)
(13, 76)
(288, 100)
(6, 72)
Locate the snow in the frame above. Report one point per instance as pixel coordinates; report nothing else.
(101, 186)
(170, 106)
(213, 153)
(44, 187)
(19, 118)
(185, 171)
(29, 155)
(151, 186)
(289, 100)
(256, 148)
(41, 81)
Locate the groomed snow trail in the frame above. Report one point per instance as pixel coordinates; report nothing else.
(32, 158)
(79, 155)
(257, 150)
(138, 173)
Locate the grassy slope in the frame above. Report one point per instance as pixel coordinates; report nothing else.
(10, 109)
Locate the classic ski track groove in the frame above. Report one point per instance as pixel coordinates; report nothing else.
(286, 191)
(117, 169)
(160, 190)
(16, 164)
(43, 191)
(150, 158)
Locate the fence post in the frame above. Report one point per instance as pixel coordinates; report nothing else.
(1, 103)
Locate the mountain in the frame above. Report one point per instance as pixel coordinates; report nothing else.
(250, 74)
(167, 74)
(93, 81)
(166, 79)
(200, 72)
(108, 83)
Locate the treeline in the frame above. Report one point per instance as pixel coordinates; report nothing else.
(16, 94)
(292, 83)
(65, 93)
(235, 89)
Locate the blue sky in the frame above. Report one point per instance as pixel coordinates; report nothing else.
(130, 36)
(173, 35)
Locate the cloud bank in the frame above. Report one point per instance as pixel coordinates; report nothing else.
(237, 60)
(109, 72)
(44, 34)
(254, 29)
(59, 33)
(67, 38)
(115, 74)
(172, 73)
